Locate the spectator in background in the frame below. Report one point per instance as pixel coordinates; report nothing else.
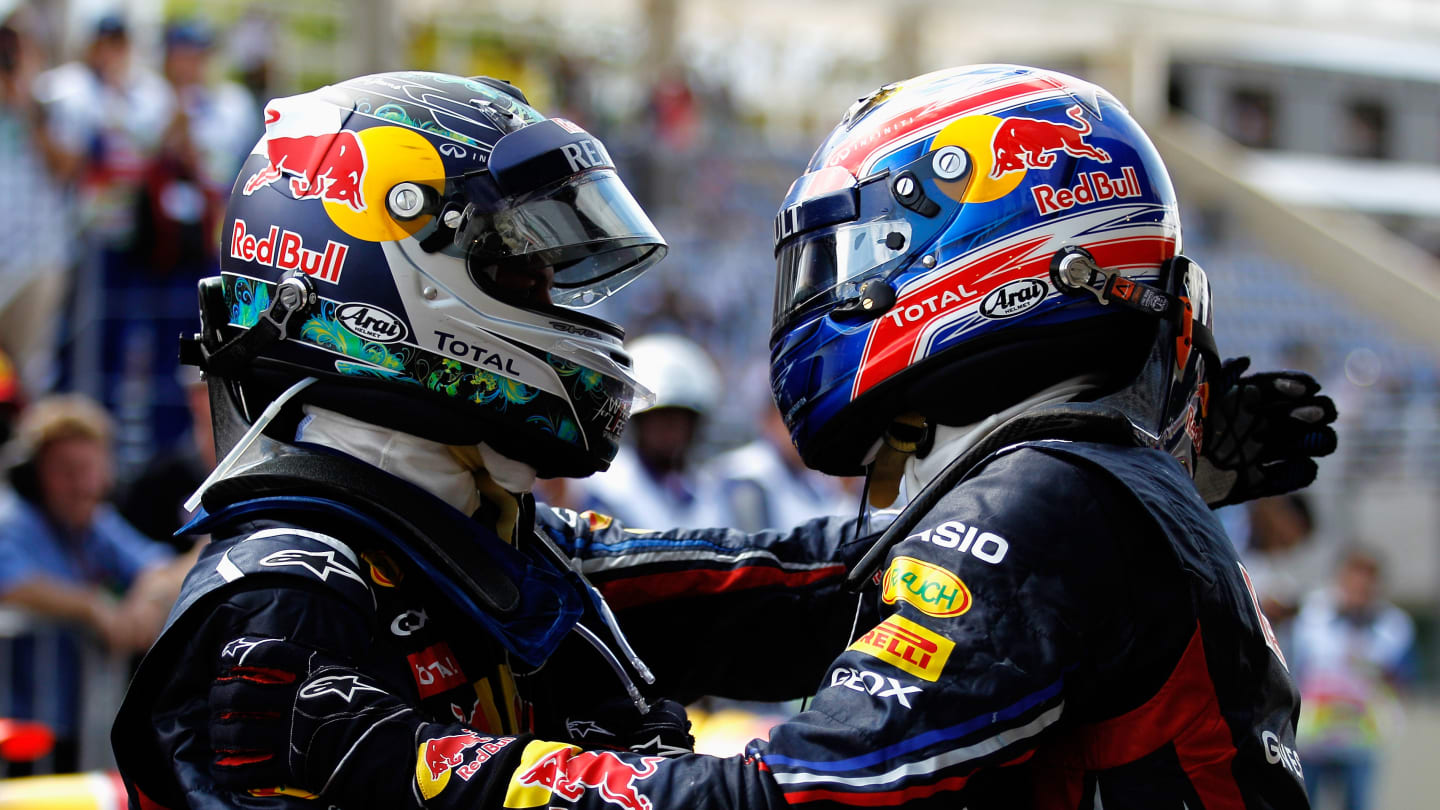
(652, 481)
(70, 562)
(212, 127)
(252, 41)
(110, 117)
(9, 397)
(154, 502)
(107, 116)
(34, 227)
(1351, 648)
(1281, 558)
(765, 485)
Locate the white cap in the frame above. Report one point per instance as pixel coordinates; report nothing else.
(680, 373)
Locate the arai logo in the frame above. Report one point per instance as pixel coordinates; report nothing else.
(1014, 298)
(371, 322)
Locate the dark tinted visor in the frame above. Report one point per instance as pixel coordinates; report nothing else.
(812, 267)
(583, 237)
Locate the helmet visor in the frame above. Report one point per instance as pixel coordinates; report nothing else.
(820, 266)
(580, 239)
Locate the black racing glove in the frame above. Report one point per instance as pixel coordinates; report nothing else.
(285, 717)
(618, 726)
(1262, 434)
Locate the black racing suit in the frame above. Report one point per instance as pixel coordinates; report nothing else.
(1067, 628)
(278, 570)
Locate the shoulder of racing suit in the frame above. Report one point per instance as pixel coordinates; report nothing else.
(1070, 609)
(235, 586)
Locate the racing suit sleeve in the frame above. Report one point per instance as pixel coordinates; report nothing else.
(991, 617)
(689, 598)
(165, 733)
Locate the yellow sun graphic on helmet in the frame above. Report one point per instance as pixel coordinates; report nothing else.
(392, 155)
(975, 134)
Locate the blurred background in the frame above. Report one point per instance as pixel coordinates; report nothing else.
(1302, 135)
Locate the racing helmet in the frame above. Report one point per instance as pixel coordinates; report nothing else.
(678, 372)
(967, 238)
(421, 244)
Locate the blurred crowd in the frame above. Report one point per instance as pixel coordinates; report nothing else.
(113, 180)
(1349, 648)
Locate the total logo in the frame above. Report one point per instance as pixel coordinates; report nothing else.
(285, 250)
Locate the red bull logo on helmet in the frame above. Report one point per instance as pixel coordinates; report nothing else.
(285, 250)
(1030, 143)
(348, 170)
(568, 774)
(327, 164)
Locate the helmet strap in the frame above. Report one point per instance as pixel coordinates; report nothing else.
(1075, 272)
(293, 300)
(499, 508)
(907, 435)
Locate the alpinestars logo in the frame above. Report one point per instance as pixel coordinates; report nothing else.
(345, 686)
(242, 647)
(584, 728)
(320, 563)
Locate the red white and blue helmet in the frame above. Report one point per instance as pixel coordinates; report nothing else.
(967, 238)
(447, 233)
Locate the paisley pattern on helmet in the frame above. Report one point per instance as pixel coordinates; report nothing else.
(249, 299)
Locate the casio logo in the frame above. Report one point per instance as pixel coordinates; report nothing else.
(982, 545)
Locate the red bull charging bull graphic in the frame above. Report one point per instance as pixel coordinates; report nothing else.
(328, 164)
(442, 756)
(444, 753)
(1030, 143)
(569, 775)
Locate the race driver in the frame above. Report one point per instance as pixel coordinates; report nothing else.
(998, 646)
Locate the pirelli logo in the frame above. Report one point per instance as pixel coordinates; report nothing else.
(908, 646)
